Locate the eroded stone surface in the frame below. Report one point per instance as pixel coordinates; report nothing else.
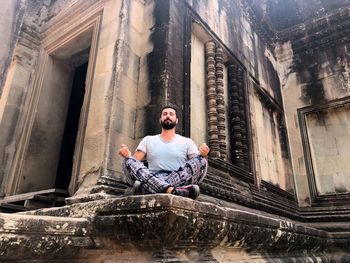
(154, 227)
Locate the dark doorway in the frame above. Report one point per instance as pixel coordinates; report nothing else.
(65, 164)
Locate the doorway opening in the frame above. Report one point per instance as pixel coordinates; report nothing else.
(65, 163)
(52, 146)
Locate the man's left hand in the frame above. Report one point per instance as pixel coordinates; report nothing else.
(204, 150)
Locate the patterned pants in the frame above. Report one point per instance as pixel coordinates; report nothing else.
(193, 172)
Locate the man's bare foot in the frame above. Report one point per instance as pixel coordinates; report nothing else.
(169, 190)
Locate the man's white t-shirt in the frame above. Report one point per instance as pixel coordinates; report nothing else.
(170, 156)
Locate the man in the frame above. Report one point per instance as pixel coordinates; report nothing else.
(176, 166)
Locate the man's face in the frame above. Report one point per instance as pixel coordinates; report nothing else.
(168, 118)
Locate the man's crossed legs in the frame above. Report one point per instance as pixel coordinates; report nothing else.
(184, 180)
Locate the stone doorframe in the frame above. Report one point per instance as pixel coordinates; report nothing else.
(57, 35)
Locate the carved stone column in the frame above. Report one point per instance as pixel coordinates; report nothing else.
(212, 103)
(243, 116)
(220, 101)
(238, 124)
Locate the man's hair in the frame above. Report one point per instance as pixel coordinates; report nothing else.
(169, 106)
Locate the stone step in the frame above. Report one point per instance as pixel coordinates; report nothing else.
(34, 200)
(12, 208)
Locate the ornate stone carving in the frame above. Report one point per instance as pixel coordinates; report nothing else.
(216, 101)
(238, 124)
(39, 237)
(212, 103)
(220, 101)
(164, 225)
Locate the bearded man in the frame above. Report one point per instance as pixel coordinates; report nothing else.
(175, 164)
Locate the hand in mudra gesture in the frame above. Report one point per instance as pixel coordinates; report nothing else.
(204, 150)
(124, 151)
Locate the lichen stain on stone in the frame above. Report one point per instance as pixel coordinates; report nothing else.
(345, 72)
(286, 225)
(10, 225)
(284, 54)
(278, 235)
(143, 203)
(224, 240)
(152, 203)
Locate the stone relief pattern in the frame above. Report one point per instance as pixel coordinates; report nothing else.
(220, 101)
(238, 123)
(344, 65)
(212, 104)
(32, 246)
(216, 102)
(201, 230)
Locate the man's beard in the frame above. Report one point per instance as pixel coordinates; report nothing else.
(168, 124)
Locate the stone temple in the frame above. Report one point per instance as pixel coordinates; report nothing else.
(265, 83)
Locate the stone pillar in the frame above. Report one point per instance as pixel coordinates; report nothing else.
(238, 123)
(220, 101)
(212, 103)
(216, 100)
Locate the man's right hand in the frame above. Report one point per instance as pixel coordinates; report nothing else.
(124, 151)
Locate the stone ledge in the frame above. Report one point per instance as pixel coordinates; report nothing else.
(42, 237)
(156, 227)
(170, 221)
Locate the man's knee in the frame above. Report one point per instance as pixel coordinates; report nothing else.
(127, 173)
(201, 161)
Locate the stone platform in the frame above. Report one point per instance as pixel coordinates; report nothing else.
(161, 228)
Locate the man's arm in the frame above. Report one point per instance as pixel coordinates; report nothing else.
(203, 151)
(125, 152)
(139, 155)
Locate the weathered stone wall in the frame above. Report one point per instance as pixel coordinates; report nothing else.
(133, 94)
(140, 64)
(313, 76)
(162, 228)
(229, 21)
(119, 86)
(16, 89)
(138, 68)
(328, 135)
(158, 228)
(11, 14)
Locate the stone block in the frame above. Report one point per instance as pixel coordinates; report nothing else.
(127, 91)
(132, 66)
(140, 43)
(152, 223)
(124, 118)
(137, 16)
(115, 160)
(143, 94)
(111, 14)
(26, 238)
(105, 59)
